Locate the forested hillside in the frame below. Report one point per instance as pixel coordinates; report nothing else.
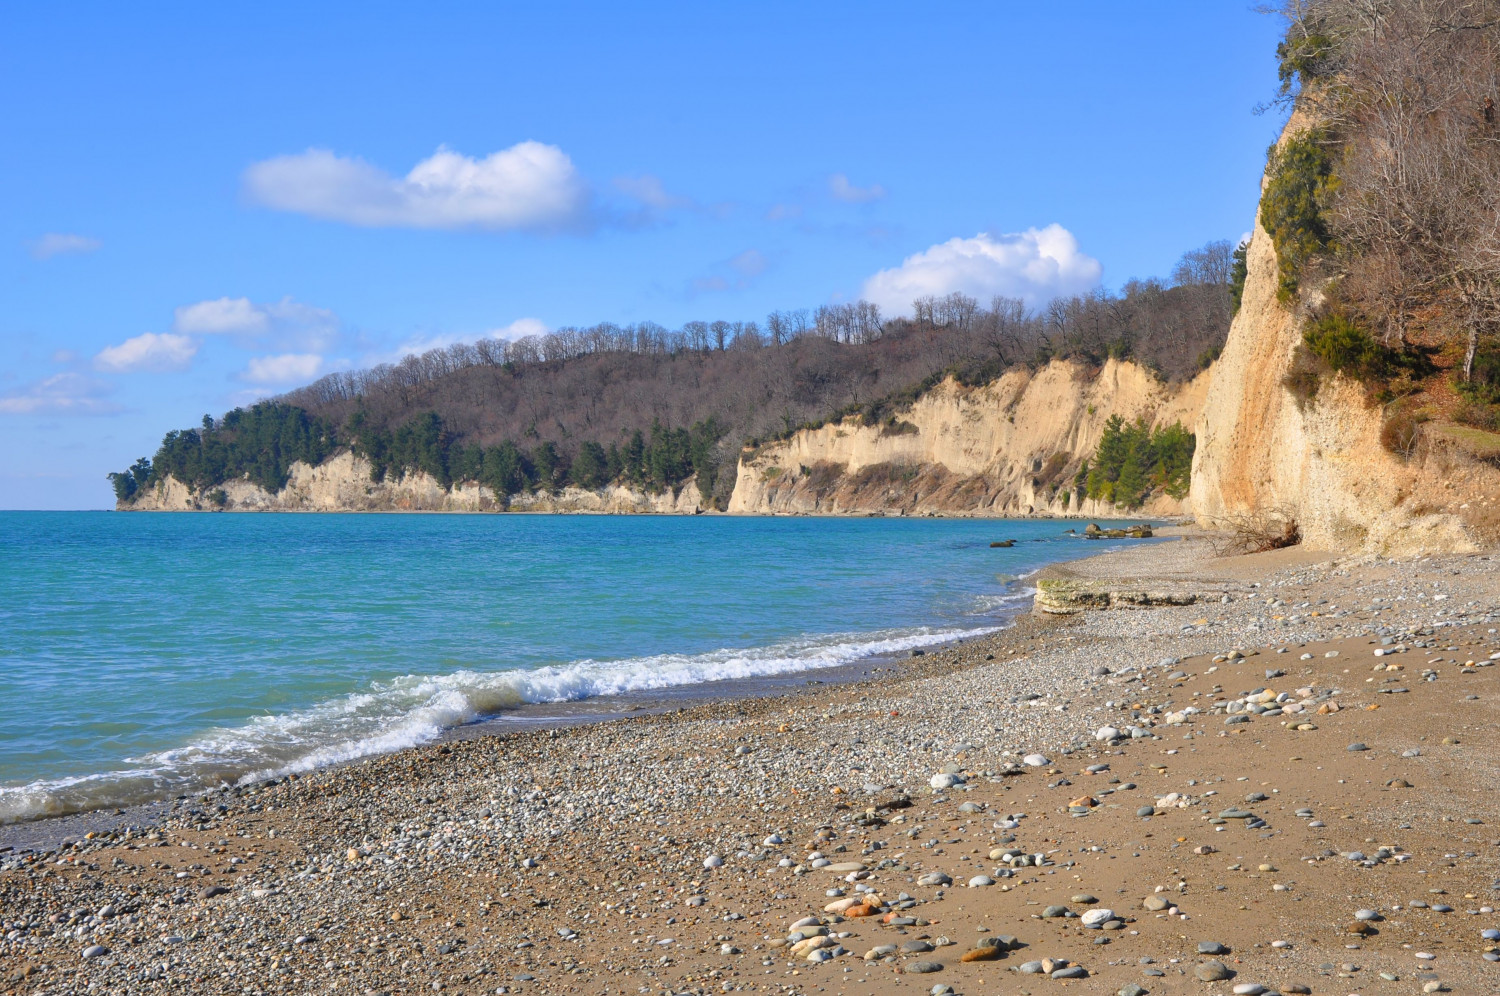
(1383, 206)
(653, 407)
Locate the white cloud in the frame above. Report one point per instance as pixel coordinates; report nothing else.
(1035, 265)
(519, 329)
(843, 190)
(282, 369)
(222, 315)
(286, 324)
(60, 394)
(148, 351)
(529, 186)
(417, 345)
(59, 243)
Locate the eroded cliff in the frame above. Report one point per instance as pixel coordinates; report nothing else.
(1011, 447)
(343, 483)
(1264, 456)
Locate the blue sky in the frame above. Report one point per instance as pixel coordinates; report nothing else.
(205, 204)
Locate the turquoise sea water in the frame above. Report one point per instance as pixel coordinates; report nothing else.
(148, 655)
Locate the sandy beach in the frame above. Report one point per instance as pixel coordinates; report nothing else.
(1289, 784)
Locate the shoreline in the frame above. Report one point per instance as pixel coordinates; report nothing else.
(47, 833)
(671, 851)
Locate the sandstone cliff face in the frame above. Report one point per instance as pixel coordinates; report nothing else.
(1260, 454)
(992, 450)
(342, 484)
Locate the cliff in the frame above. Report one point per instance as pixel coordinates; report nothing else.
(343, 484)
(1010, 447)
(1263, 456)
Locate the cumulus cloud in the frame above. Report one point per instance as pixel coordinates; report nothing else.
(843, 190)
(225, 314)
(61, 394)
(1034, 265)
(60, 243)
(529, 186)
(284, 368)
(147, 351)
(286, 324)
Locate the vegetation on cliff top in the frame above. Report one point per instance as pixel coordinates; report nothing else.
(653, 407)
(1386, 213)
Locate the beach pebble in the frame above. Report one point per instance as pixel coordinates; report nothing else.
(980, 880)
(95, 951)
(1212, 971)
(1107, 734)
(1366, 915)
(1071, 972)
(945, 779)
(1097, 918)
(924, 967)
(1036, 760)
(1248, 989)
(1212, 948)
(713, 861)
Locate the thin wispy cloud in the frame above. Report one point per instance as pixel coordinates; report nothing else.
(735, 273)
(149, 351)
(530, 186)
(649, 191)
(66, 393)
(286, 368)
(63, 243)
(417, 345)
(285, 324)
(842, 189)
(1035, 265)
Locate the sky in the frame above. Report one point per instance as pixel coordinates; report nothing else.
(204, 205)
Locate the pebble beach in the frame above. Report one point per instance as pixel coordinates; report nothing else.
(1287, 786)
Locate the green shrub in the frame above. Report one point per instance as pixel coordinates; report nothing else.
(1237, 274)
(1300, 60)
(1344, 346)
(1133, 461)
(1291, 210)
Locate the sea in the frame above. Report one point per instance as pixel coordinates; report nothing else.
(145, 656)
